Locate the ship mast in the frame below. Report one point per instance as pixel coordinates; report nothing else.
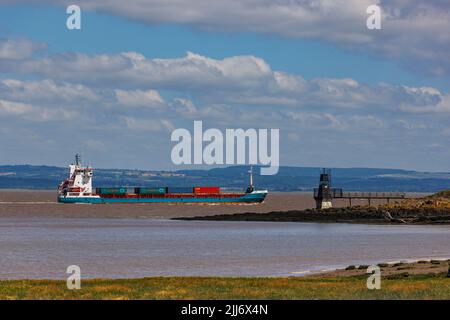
(78, 159)
(250, 172)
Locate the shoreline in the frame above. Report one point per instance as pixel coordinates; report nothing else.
(423, 266)
(382, 215)
(433, 209)
(420, 266)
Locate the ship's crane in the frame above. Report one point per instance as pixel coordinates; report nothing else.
(250, 187)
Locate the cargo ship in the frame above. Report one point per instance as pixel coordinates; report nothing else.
(77, 188)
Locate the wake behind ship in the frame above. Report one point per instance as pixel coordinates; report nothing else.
(77, 188)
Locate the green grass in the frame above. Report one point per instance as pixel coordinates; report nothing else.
(413, 287)
(441, 194)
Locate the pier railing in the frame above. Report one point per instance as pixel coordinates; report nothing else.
(337, 193)
(374, 195)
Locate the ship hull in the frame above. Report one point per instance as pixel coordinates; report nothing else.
(254, 197)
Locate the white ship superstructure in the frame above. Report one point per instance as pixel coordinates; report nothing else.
(79, 183)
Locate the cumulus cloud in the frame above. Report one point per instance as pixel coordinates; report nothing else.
(133, 69)
(45, 90)
(17, 49)
(154, 125)
(239, 80)
(339, 122)
(15, 108)
(413, 31)
(35, 113)
(185, 107)
(127, 97)
(139, 98)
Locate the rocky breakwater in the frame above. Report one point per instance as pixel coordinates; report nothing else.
(434, 209)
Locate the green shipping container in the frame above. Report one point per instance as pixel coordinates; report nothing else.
(158, 190)
(121, 190)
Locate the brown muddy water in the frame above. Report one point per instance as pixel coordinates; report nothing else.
(40, 239)
(129, 248)
(30, 204)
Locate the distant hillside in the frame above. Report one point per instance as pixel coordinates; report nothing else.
(236, 177)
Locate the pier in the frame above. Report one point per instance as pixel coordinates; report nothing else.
(369, 196)
(324, 194)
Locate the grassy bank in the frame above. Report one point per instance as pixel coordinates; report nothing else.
(435, 286)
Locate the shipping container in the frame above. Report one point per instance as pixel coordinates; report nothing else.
(120, 190)
(146, 190)
(179, 190)
(206, 190)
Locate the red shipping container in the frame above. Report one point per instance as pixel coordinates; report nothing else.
(206, 189)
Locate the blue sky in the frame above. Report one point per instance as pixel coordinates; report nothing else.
(342, 95)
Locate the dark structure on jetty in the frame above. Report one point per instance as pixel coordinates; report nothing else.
(324, 194)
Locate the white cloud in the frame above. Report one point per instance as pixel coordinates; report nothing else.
(367, 121)
(132, 69)
(409, 125)
(147, 124)
(239, 80)
(45, 90)
(35, 113)
(340, 122)
(128, 96)
(184, 106)
(289, 83)
(415, 32)
(55, 114)
(17, 49)
(139, 98)
(14, 108)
